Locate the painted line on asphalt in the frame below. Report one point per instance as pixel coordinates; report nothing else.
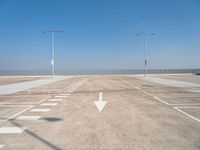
(1, 146)
(63, 89)
(8, 105)
(131, 84)
(73, 85)
(137, 87)
(155, 97)
(188, 107)
(177, 108)
(31, 102)
(9, 130)
(25, 103)
(40, 110)
(13, 116)
(64, 95)
(66, 88)
(55, 100)
(170, 104)
(44, 100)
(29, 118)
(189, 95)
(186, 104)
(60, 96)
(70, 91)
(49, 104)
(147, 93)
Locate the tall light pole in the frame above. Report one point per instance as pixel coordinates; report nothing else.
(53, 48)
(145, 55)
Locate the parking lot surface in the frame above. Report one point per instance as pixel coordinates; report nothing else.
(139, 114)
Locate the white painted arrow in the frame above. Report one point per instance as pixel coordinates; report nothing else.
(100, 104)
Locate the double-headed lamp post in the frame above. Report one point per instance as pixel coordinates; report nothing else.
(53, 48)
(145, 57)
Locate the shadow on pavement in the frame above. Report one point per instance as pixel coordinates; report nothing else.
(51, 119)
(38, 137)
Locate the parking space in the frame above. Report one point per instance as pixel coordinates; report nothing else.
(180, 99)
(190, 111)
(138, 114)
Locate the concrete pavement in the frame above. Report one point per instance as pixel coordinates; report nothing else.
(138, 115)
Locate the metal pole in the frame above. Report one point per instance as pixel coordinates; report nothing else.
(145, 59)
(145, 53)
(53, 48)
(53, 53)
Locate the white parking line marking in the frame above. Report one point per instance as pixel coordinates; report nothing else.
(177, 108)
(29, 118)
(44, 100)
(70, 89)
(131, 84)
(55, 100)
(65, 95)
(146, 92)
(188, 107)
(2, 105)
(68, 93)
(182, 104)
(186, 104)
(161, 100)
(7, 130)
(1, 146)
(166, 103)
(185, 95)
(137, 87)
(60, 96)
(40, 110)
(49, 104)
(13, 116)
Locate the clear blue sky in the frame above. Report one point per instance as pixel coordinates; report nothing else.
(99, 34)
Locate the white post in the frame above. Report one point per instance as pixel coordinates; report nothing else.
(53, 53)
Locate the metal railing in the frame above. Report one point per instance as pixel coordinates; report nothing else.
(99, 72)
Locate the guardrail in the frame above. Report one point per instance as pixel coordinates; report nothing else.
(98, 72)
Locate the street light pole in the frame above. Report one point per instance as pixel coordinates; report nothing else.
(145, 52)
(53, 48)
(145, 58)
(53, 54)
